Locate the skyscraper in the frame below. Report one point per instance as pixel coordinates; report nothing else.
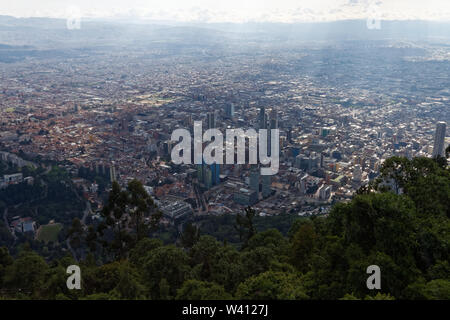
(439, 139)
(273, 124)
(112, 172)
(207, 177)
(200, 173)
(229, 110)
(262, 118)
(303, 184)
(266, 182)
(215, 171)
(211, 120)
(357, 173)
(254, 180)
(274, 119)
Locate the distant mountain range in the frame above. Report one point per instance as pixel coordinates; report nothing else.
(53, 33)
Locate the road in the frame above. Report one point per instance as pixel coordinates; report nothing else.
(5, 218)
(74, 255)
(86, 212)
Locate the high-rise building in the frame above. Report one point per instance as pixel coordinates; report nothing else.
(266, 182)
(200, 173)
(207, 177)
(211, 120)
(254, 180)
(112, 172)
(324, 132)
(215, 172)
(357, 173)
(245, 197)
(273, 125)
(229, 110)
(439, 139)
(274, 119)
(262, 118)
(324, 192)
(167, 147)
(188, 121)
(303, 184)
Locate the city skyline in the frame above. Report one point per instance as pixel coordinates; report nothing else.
(200, 160)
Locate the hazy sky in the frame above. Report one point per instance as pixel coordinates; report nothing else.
(232, 10)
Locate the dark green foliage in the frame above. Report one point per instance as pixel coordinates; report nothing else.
(272, 286)
(130, 214)
(190, 236)
(27, 274)
(201, 290)
(168, 262)
(406, 233)
(244, 225)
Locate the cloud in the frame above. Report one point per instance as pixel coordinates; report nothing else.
(235, 10)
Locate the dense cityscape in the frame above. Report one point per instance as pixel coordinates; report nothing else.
(76, 120)
(114, 114)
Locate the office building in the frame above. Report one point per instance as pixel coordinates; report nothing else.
(229, 110)
(215, 173)
(112, 172)
(245, 197)
(266, 182)
(439, 140)
(324, 192)
(211, 120)
(262, 118)
(254, 180)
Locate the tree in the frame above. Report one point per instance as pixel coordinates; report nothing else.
(244, 225)
(164, 290)
(76, 233)
(271, 239)
(383, 220)
(380, 296)
(5, 261)
(204, 254)
(143, 248)
(91, 239)
(303, 245)
(438, 289)
(202, 290)
(396, 170)
(116, 219)
(226, 268)
(128, 287)
(272, 286)
(27, 274)
(190, 236)
(140, 206)
(167, 262)
(131, 214)
(425, 180)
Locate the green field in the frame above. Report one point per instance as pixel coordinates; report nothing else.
(49, 232)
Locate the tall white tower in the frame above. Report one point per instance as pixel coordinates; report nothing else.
(439, 139)
(112, 172)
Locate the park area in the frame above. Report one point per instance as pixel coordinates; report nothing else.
(49, 232)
